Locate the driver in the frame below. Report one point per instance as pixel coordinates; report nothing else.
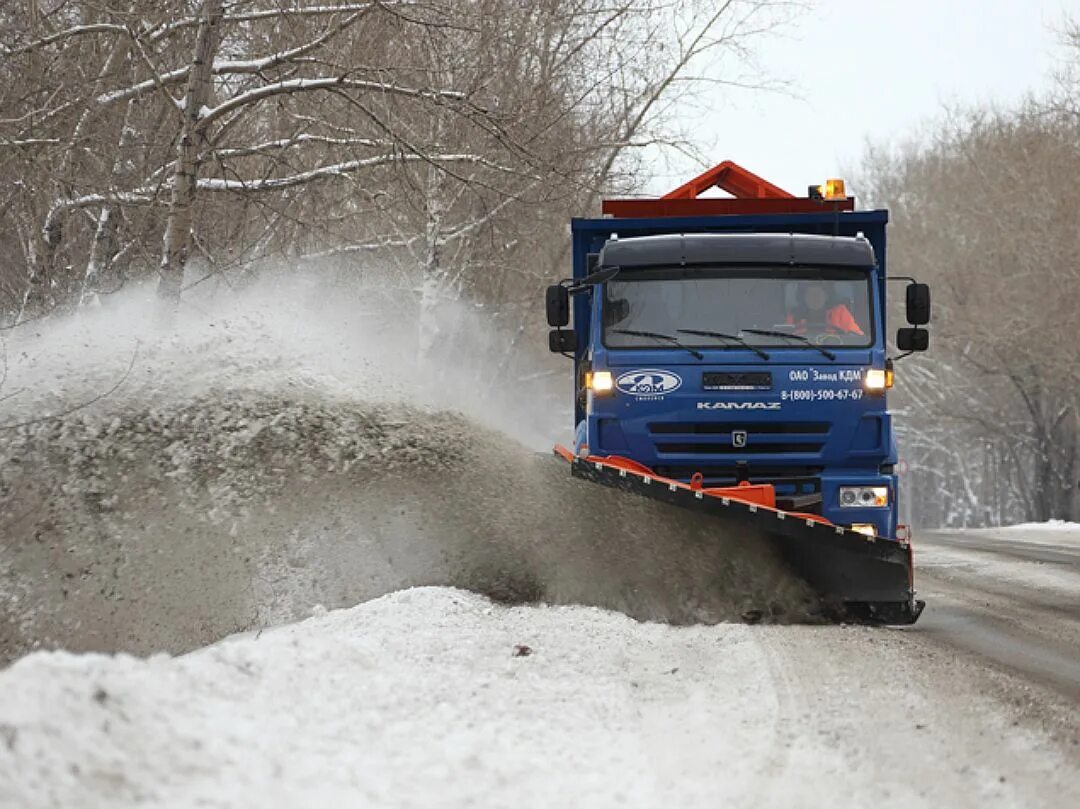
(814, 312)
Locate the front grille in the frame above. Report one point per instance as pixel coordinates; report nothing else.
(702, 448)
(739, 438)
(750, 428)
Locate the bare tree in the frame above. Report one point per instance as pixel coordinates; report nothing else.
(985, 213)
(450, 139)
(192, 144)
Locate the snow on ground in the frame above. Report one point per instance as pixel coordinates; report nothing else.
(1051, 532)
(437, 697)
(1049, 525)
(427, 697)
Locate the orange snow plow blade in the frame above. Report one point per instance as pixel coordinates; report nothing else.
(866, 577)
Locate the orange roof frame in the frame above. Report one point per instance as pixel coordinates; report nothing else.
(750, 194)
(734, 179)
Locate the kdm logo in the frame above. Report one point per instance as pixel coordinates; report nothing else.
(739, 405)
(648, 382)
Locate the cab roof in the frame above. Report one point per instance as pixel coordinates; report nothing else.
(681, 249)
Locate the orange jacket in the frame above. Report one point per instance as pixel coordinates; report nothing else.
(838, 319)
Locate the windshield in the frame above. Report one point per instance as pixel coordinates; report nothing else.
(802, 306)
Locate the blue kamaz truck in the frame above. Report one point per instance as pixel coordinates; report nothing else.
(730, 356)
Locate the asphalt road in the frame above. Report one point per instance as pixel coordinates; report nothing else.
(1008, 598)
(978, 704)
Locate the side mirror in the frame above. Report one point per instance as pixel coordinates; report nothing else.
(558, 306)
(562, 341)
(918, 305)
(912, 339)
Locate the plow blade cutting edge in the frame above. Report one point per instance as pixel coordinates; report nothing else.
(868, 578)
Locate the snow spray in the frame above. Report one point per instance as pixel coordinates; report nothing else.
(282, 446)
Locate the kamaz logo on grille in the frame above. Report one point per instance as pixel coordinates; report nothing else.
(738, 438)
(648, 383)
(739, 405)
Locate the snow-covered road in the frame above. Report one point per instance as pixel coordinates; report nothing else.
(1009, 597)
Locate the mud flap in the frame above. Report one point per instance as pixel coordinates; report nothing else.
(870, 578)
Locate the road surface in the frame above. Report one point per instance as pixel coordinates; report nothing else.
(1009, 598)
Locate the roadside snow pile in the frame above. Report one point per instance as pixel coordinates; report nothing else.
(1049, 525)
(1051, 532)
(269, 453)
(427, 697)
(438, 697)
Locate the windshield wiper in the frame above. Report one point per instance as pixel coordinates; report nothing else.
(798, 337)
(658, 336)
(722, 336)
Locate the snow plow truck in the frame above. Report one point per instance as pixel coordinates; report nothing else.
(730, 357)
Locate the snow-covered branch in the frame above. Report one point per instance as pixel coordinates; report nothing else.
(67, 33)
(360, 247)
(138, 196)
(25, 142)
(298, 140)
(234, 66)
(147, 194)
(279, 13)
(326, 83)
(334, 171)
(157, 33)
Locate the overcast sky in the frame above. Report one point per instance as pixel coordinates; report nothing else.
(873, 69)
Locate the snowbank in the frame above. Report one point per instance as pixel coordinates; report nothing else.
(437, 697)
(427, 697)
(1049, 525)
(1050, 532)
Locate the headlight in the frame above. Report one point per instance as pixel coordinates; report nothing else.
(600, 382)
(878, 379)
(864, 496)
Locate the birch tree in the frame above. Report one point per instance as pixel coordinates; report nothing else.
(452, 139)
(193, 142)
